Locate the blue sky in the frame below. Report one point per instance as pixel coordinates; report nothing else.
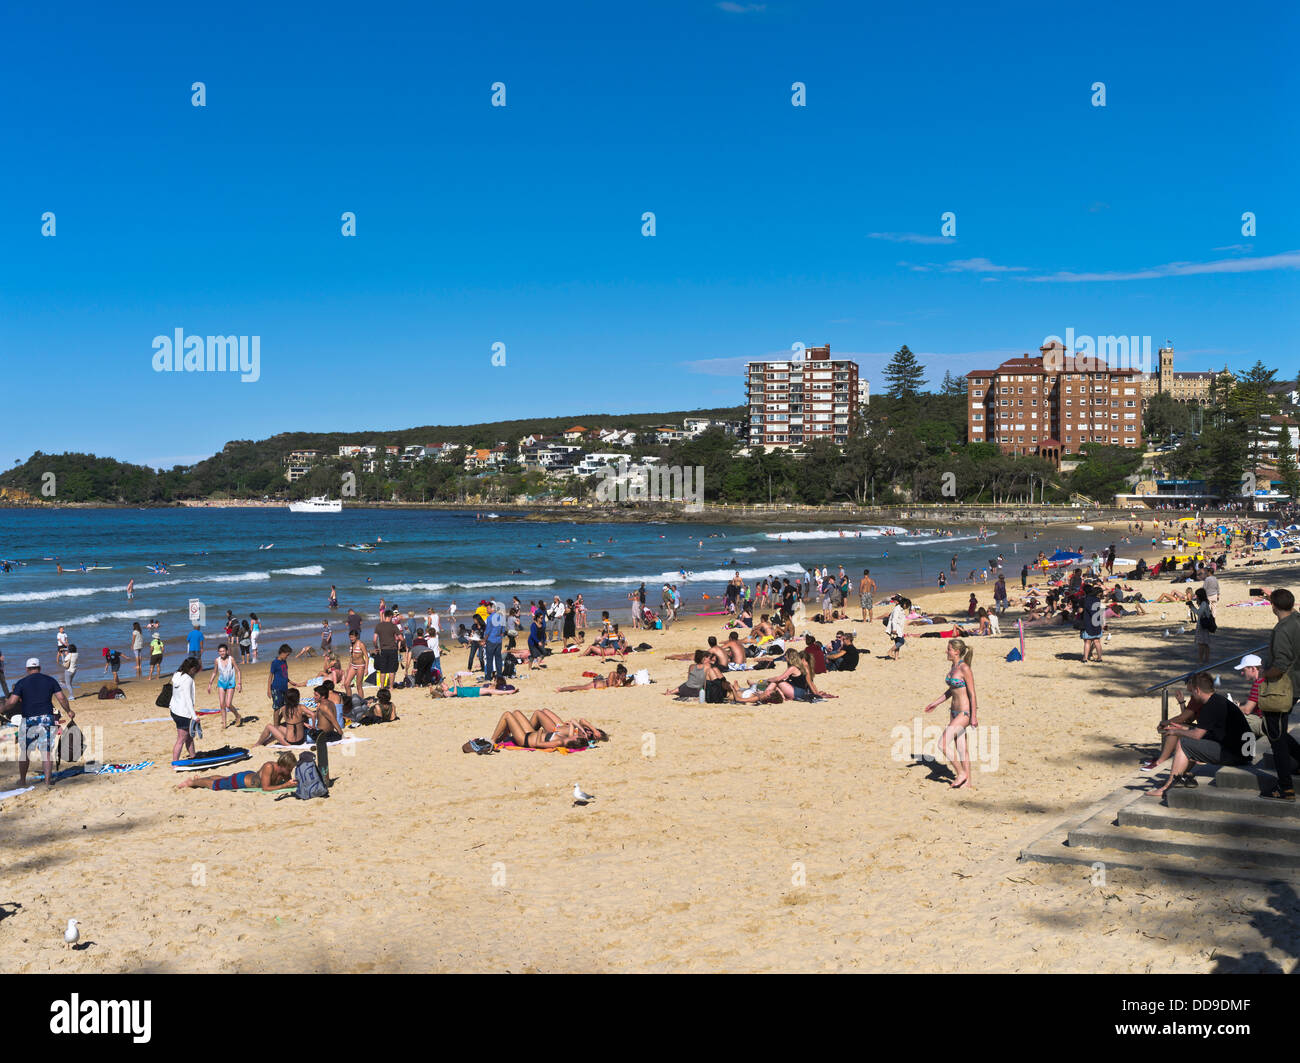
(522, 225)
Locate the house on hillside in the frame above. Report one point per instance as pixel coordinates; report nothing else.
(576, 434)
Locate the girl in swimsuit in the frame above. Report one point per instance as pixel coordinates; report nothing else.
(289, 729)
(358, 665)
(533, 734)
(273, 775)
(960, 687)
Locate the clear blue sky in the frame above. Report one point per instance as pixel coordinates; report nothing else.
(522, 224)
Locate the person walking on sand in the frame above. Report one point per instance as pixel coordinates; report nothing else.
(866, 596)
(228, 677)
(962, 713)
(896, 626)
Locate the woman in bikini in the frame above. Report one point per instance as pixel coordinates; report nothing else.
(333, 671)
(273, 775)
(534, 734)
(617, 678)
(358, 665)
(289, 727)
(960, 687)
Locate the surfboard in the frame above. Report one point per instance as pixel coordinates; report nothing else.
(214, 759)
(1084, 527)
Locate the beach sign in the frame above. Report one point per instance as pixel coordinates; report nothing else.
(198, 613)
(1021, 625)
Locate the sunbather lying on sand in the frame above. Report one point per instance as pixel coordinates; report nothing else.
(617, 678)
(534, 734)
(273, 775)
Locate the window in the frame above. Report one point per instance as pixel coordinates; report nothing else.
(1129, 440)
(978, 393)
(1130, 417)
(978, 416)
(1129, 404)
(1033, 402)
(1069, 439)
(1020, 402)
(1069, 402)
(1020, 391)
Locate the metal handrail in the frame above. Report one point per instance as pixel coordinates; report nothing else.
(1204, 668)
(1164, 687)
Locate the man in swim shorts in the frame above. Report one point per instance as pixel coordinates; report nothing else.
(866, 595)
(34, 696)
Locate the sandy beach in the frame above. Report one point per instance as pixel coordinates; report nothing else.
(800, 837)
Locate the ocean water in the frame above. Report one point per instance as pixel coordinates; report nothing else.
(425, 558)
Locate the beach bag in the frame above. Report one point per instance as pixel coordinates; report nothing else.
(715, 691)
(308, 778)
(1209, 624)
(164, 699)
(641, 677)
(72, 744)
(1277, 695)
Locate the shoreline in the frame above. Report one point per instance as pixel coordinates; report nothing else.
(924, 515)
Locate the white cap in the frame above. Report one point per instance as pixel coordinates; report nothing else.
(33, 662)
(1250, 660)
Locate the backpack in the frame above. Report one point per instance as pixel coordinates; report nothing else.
(308, 778)
(715, 691)
(164, 699)
(508, 666)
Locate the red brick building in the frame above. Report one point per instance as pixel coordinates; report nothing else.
(1048, 406)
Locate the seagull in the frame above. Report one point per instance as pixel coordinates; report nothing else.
(71, 935)
(579, 798)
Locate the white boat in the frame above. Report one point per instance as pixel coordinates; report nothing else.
(319, 504)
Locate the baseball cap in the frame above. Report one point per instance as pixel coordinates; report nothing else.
(1246, 662)
(33, 662)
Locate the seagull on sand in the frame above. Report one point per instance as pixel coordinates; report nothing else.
(580, 798)
(71, 935)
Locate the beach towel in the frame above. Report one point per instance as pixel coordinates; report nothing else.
(121, 769)
(153, 719)
(312, 745)
(15, 793)
(562, 749)
(66, 773)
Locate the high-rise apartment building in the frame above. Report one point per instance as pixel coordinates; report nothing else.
(1048, 406)
(802, 400)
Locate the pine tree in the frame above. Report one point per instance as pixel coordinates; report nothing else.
(905, 374)
(953, 386)
(1287, 472)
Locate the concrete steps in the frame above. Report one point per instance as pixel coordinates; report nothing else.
(1221, 828)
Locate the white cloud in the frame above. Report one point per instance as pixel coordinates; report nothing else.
(912, 238)
(980, 265)
(1286, 260)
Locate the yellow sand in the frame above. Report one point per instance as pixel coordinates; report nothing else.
(729, 838)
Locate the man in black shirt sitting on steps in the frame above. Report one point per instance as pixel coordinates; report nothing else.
(1227, 735)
